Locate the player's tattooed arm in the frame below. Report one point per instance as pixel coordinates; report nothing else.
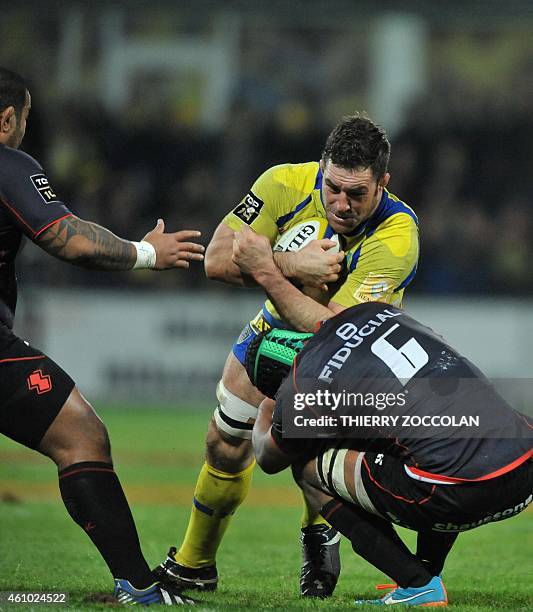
(92, 246)
(88, 245)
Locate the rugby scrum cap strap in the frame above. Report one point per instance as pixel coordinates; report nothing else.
(269, 358)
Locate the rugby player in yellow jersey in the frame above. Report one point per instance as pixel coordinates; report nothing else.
(379, 237)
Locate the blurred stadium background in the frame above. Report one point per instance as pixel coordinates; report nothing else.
(171, 109)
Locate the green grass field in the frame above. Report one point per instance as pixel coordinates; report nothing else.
(157, 455)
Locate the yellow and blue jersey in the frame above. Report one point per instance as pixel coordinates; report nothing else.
(381, 253)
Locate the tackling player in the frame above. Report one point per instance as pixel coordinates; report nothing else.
(379, 236)
(364, 478)
(40, 406)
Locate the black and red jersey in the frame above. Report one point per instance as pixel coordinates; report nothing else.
(28, 206)
(402, 390)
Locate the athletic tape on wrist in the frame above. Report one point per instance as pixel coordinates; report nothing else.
(146, 255)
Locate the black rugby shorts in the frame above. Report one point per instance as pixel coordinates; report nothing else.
(443, 507)
(33, 389)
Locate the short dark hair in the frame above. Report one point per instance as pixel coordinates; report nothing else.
(13, 90)
(357, 142)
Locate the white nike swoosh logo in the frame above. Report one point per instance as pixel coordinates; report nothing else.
(333, 540)
(391, 601)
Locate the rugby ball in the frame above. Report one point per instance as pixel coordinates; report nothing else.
(299, 236)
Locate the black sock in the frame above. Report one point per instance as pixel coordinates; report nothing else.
(432, 548)
(377, 542)
(94, 498)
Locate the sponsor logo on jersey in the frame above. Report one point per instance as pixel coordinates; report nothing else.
(354, 336)
(375, 288)
(248, 210)
(37, 381)
(41, 183)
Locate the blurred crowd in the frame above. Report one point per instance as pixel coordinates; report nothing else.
(463, 158)
(471, 184)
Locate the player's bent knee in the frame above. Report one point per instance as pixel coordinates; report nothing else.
(225, 452)
(303, 473)
(233, 416)
(329, 472)
(305, 476)
(77, 434)
(329, 476)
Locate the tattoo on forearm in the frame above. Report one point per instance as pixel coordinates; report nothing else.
(87, 244)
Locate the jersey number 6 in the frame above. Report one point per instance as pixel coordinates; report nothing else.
(405, 361)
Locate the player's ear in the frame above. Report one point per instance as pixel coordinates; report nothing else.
(8, 119)
(385, 180)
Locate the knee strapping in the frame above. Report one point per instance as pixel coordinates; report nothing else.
(232, 415)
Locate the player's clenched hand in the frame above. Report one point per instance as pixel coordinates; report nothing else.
(316, 264)
(174, 250)
(252, 252)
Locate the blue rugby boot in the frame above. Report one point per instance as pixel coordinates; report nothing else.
(433, 594)
(156, 594)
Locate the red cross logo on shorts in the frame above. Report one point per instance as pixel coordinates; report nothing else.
(41, 383)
